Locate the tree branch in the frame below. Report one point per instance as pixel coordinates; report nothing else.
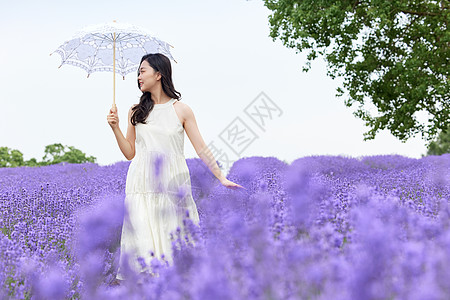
(420, 13)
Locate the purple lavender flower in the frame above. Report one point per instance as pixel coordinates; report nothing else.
(323, 227)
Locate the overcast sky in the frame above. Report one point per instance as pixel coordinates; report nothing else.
(226, 59)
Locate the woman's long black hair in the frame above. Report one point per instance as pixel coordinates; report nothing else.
(160, 63)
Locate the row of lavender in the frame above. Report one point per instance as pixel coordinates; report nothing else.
(319, 228)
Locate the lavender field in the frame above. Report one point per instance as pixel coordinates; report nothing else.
(320, 228)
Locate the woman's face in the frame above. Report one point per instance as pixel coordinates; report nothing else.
(148, 78)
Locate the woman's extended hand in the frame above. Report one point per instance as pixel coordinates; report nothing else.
(113, 117)
(229, 184)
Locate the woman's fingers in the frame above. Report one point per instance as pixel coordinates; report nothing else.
(113, 110)
(112, 117)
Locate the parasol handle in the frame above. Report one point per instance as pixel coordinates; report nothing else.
(114, 70)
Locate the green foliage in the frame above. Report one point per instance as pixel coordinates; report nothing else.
(57, 153)
(33, 163)
(441, 145)
(54, 154)
(392, 55)
(10, 158)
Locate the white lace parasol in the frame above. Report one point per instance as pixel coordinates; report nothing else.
(92, 48)
(111, 47)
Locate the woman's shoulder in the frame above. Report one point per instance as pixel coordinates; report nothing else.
(182, 106)
(184, 111)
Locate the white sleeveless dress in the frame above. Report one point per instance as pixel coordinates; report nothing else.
(158, 189)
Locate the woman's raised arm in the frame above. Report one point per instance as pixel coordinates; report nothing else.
(126, 145)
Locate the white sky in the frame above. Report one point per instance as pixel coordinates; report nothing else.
(225, 60)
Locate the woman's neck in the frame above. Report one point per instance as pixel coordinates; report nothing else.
(159, 97)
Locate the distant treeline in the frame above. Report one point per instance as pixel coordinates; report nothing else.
(54, 154)
(441, 145)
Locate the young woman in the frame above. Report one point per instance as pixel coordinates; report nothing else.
(158, 191)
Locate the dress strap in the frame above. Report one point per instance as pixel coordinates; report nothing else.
(167, 104)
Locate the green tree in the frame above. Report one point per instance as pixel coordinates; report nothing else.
(10, 157)
(53, 154)
(76, 156)
(392, 55)
(32, 163)
(441, 145)
(56, 153)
